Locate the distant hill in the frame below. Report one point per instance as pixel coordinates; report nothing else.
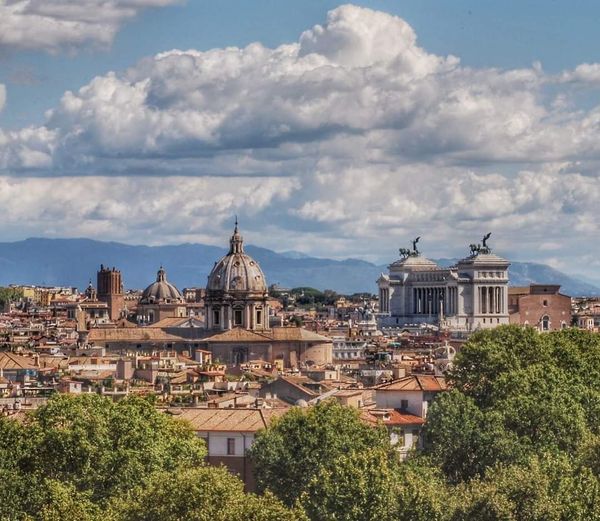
(73, 262)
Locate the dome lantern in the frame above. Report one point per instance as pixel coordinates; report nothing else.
(237, 241)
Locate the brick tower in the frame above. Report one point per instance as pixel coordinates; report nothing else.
(110, 290)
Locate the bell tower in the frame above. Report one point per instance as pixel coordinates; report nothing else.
(110, 290)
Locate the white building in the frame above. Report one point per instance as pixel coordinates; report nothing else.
(348, 349)
(411, 394)
(470, 295)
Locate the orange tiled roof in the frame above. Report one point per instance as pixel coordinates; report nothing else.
(229, 420)
(131, 334)
(170, 322)
(159, 334)
(11, 361)
(391, 417)
(297, 334)
(415, 383)
(238, 334)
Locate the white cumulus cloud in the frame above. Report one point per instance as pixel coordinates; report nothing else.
(51, 25)
(345, 142)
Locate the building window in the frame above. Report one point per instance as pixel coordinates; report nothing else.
(404, 405)
(401, 440)
(545, 323)
(238, 317)
(216, 317)
(231, 446)
(259, 317)
(545, 303)
(415, 437)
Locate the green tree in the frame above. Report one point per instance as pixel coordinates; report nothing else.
(10, 295)
(198, 494)
(105, 447)
(547, 488)
(62, 501)
(296, 448)
(90, 447)
(465, 440)
(542, 405)
(423, 494)
(490, 353)
(358, 485)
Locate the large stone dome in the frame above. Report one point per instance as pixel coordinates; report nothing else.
(236, 272)
(161, 291)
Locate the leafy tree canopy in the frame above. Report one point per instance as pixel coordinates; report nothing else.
(10, 295)
(91, 459)
(517, 394)
(307, 443)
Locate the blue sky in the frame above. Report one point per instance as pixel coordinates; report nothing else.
(336, 131)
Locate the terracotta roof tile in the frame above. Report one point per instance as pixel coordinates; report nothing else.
(391, 417)
(415, 383)
(133, 334)
(11, 361)
(229, 420)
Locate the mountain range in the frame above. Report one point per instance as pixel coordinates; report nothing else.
(73, 262)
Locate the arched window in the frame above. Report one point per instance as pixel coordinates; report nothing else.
(545, 323)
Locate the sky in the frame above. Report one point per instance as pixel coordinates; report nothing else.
(338, 130)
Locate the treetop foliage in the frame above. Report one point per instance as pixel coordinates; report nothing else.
(517, 438)
(88, 458)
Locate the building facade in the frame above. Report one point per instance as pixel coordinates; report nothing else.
(541, 306)
(471, 295)
(110, 290)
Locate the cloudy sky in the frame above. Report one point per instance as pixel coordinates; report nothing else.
(338, 130)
